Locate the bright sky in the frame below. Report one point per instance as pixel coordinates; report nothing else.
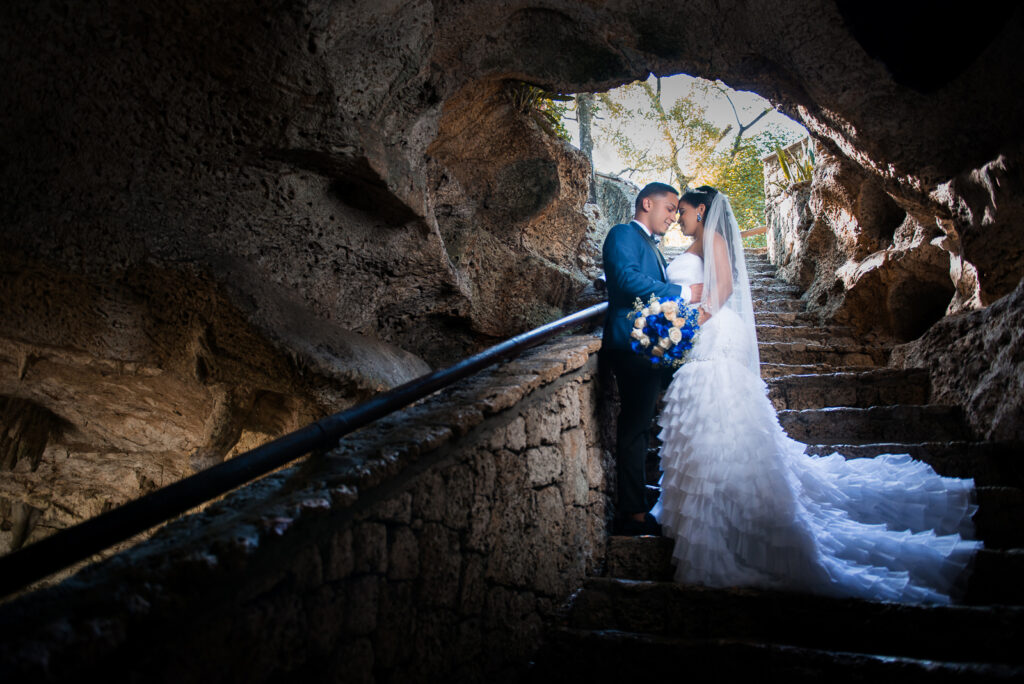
(718, 112)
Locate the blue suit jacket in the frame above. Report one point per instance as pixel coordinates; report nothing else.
(632, 270)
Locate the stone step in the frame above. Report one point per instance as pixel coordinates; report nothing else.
(639, 558)
(596, 656)
(999, 521)
(898, 423)
(763, 276)
(766, 288)
(784, 318)
(849, 625)
(995, 464)
(881, 387)
(774, 297)
(773, 287)
(783, 305)
(994, 579)
(833, 354)
(805, 333)
(776, 370)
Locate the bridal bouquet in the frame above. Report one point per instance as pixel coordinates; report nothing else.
(664, 330)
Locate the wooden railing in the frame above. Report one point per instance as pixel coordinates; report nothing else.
(753, 231)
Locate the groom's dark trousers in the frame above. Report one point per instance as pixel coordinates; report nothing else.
(639, 386)
(634, 268)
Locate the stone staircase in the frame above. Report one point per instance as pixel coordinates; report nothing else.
(834, 393)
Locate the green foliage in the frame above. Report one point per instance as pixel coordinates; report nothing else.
(739, 173)
(547, 109)
(797, 167)
(678, 143)
(755, 241)
(742, 178)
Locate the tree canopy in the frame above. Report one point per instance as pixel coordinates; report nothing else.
(675, 140)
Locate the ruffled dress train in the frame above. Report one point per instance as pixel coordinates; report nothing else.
(747, 507)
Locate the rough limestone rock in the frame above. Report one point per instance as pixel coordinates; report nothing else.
(976, 360)
(615, 204)
(510, 211)
(862, 260)
(220, 219)
(617, 199)
(984, 230)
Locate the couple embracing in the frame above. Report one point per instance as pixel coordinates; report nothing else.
(743, 503)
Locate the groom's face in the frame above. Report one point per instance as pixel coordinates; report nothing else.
(662, 212)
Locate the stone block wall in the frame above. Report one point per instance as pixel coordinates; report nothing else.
(788, 219)
(429, 546)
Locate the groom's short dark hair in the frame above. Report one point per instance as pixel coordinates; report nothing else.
(653, 190)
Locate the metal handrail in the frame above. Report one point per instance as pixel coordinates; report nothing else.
(73, 544)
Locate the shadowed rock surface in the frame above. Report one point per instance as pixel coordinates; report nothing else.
(976, 360)
(861, 258)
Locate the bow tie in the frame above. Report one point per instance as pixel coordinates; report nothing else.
(653, 238)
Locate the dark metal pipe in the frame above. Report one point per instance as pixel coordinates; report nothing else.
(74, 544)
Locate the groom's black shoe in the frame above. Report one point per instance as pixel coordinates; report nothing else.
(635, 528)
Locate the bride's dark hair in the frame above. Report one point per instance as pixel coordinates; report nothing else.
(702, 195)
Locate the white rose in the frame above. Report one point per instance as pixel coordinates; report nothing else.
(645, 313)
(665, 342)
(654, 308)
(638, 323)
(679, 323)
(637, 334)
(675, 335)
(645, 341)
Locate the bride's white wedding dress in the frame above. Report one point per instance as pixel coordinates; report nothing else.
(747, 507)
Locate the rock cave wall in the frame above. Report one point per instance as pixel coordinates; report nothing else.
(220, 221)
(861, 259)
(976, 360)
(430, 549)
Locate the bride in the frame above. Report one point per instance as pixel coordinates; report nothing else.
(745, 505)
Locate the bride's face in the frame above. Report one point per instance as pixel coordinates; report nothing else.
(688, 218)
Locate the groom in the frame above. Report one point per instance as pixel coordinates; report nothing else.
(634, 268)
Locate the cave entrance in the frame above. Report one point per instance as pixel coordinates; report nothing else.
(681, 130)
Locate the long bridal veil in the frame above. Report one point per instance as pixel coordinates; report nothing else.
(723, 261)
(747, 507)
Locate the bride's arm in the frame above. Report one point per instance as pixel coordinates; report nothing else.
(723, 277)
